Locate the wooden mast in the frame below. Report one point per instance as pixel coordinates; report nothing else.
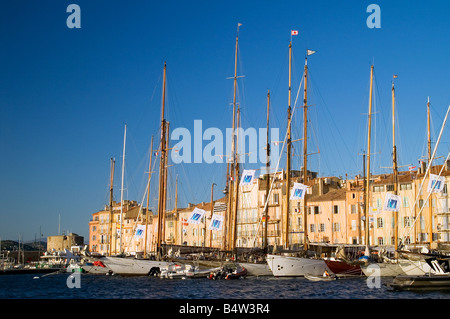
(236, 183)
(266, 209)
(288, 154)
(121, 190)
(147, 215)
(175, 213)
(111, 205)
(305, 155)
(430, 200)
(394, 167)
(367, 188)
(231, 179)
(211, 214)
(162, 165)
(166, 165)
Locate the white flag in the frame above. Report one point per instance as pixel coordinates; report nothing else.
(309, 52)
(216, 222)
(140, 231)
(247, 177)
(392, 202)
(196, 216)
(298, 191)
(436, 183)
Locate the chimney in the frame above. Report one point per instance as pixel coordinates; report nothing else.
(423, 166)
(320, 180)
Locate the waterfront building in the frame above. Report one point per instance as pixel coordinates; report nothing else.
(335, 215)
(199, 235)
(354, 197)
(62, 242)
(104, 236)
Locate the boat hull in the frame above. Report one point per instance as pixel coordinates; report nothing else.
(320, 278)
(383, 269)
(133, 267)
(424, 282)
(285, 266)
(416, 267)
(343, 269)
(257, 269)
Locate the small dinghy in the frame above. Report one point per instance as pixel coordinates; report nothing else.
(320, 278)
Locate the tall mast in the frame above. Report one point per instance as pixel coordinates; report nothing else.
(266, 209)
(305, 154)
(161, 168)
(430, 206)
(288, 155)
(147, 215)
(236, 183)
(166, 165)
(121, 191)
(176, 210)
(394, 167)
(111, 205)
(367, 188)
(428, 129)
(212, 211)
(231, 170)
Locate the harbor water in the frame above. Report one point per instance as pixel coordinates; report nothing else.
(88, 286)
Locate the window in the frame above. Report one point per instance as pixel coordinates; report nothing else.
(336, 209)
(379, 202)
(406, 221)
(322, 228)
(404, 187)
(353, 209)
(420, 203)
(380, 241)
(316, 210)
(353, 224)
(275, 198)
(390, 188)
(336, 227)
(405, 202)
(379, 222)
(312, 228)
(378, 188)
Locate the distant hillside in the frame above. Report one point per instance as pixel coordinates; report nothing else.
(12, 245)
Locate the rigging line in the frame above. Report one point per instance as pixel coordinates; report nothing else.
(278, 163)
(316, 90)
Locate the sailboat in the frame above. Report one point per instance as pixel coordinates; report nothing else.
(291, 266)
(260, 267)
(418, 263)
(388, 267)
(133, 266)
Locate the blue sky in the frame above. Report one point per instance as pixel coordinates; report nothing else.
(66, 94)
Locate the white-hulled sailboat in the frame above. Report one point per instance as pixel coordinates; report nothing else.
(137, 267)
(389, 266)
(290, 266)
